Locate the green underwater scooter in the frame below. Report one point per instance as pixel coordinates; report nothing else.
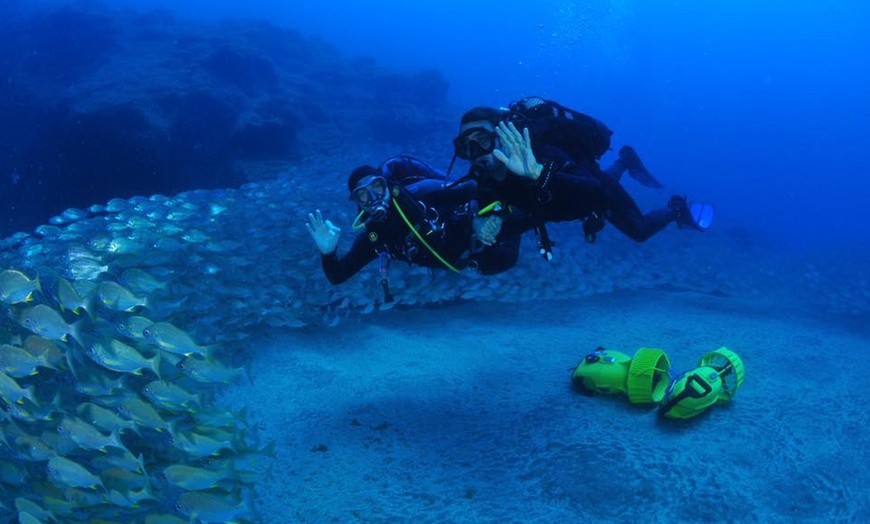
(647, 378)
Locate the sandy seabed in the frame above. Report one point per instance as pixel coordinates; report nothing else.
(466, 414)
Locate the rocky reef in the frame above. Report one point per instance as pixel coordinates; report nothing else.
(98, 104)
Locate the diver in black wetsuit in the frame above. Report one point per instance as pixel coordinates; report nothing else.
(558, 176)
(408, 213)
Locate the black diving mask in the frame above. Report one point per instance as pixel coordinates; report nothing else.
(371, 196)
(474, 143)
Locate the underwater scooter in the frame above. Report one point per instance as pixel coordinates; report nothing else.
(647, 378)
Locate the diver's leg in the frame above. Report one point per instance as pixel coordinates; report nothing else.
(616, 169)
(636, 170)
(627, 217)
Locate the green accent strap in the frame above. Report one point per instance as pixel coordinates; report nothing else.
(420, 238)
(494, 206)
(357, 225)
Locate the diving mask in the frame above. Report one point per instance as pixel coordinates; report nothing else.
(372, 196)
(474, 143)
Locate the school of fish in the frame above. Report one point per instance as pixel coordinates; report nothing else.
(111, 369)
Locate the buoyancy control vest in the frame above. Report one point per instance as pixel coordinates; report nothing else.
(583, 138)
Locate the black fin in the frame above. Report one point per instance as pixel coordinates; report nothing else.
(636, 169)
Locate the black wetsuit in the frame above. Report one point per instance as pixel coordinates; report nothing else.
(567, 190)
(440, 214)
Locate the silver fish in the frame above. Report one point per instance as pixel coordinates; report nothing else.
(95, 384)
(17, 362)
(168, 229)
(86, 499)
(59, 442)
(48, 323)
(130, 499)
(22, 504)
(133, 326)
(43, 348)
(33, 449)
(209, 508)
(117, 205)
(100, 243)
(73, 214)
(87, 436)
(117, 297)
(123, 479)
(11, 392)
(25, 517)
(179, 214)
(209, 371)
(103, 418)
(15, 287)
(31, 412)
(13, 474)
(144, 414)
(120, 357)
(76, 252)
(194, 479)
(169, 338)
(195, 236)
(71, 474)
(200, 445)
(140, 224)
(69, 298)
(123, 246)
(168, 396)
(124, 460)
(218, 418)
(141, 282)
(85, 269)
(60, 507)
(48, 231)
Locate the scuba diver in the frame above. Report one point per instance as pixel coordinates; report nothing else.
(558, 178)
(407, 212)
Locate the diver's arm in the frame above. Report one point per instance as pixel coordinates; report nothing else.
(338, 270)
(515, 223)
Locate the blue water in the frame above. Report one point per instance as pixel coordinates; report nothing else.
(760, 107)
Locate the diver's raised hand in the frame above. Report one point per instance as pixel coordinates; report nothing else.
(324, 233)
(517, 155)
